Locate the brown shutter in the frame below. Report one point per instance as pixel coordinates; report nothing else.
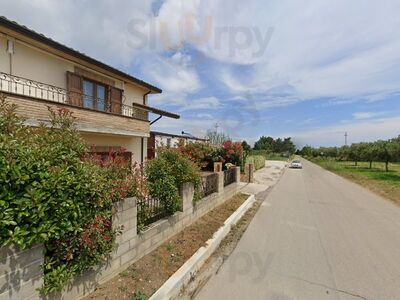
(115, 100)
(74, 84)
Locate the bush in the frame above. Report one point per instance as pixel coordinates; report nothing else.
(166, 174)
(257, 160)
(50, 195)
(233, 152)
(196, 152)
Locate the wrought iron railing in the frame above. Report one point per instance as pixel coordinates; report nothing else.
(34, 89)
(229, 176)
(209, 184)
(149, 211)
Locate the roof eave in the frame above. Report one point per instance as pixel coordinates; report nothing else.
(60, 47)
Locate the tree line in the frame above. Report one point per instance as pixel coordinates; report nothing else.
(281, 146)
(386, 151)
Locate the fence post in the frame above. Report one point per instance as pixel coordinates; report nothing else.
(217, 167)
(237, 179)
(187, 193)
(126, 216)
(250, 173)
(220, 185)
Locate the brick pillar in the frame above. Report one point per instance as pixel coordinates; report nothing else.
(237, 174)
(187, 193)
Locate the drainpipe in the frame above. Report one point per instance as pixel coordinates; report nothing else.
(144, 97)
(10, 51)
(142, 142)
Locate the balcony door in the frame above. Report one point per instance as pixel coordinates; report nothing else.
(94, 95)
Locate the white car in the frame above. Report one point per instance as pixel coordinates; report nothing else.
(296, 164)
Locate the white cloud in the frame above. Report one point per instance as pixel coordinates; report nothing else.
(362, 131)
(366, 115)
(210, 103)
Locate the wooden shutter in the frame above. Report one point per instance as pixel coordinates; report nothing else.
(115, 100)
(74, 84)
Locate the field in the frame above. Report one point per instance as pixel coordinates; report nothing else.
(268, 155)
(386, 184)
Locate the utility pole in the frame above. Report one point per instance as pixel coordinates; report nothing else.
(345, 138)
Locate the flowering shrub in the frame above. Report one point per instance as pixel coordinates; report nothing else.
(51, 194)
(204, 155)
(233, 153)
(196, 152)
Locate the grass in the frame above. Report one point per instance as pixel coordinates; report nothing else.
(269, 156)
(386, 184)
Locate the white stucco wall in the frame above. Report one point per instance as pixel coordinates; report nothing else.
(35, 64)
(131, 144)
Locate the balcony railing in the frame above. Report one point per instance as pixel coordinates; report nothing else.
(26, 87)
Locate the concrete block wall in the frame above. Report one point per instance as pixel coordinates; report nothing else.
(130, 246)
(20, 272)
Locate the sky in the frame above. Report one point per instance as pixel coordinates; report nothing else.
(310, 69)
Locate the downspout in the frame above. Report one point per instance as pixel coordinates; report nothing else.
(144, 97)
(10, 51)
(152, 122)
(142, 141)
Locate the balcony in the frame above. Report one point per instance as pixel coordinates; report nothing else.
(28, 88)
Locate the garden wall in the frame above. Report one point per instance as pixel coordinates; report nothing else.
(131, 246)
(20, 272)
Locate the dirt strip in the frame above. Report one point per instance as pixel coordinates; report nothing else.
(145, 276)
(214, 263)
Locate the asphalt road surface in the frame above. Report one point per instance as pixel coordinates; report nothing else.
(316, 236)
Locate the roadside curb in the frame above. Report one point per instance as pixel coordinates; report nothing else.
(172, 287)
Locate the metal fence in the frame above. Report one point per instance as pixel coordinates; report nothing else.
(149, 211)
(229, 176)
(209, 184)
(34, 89)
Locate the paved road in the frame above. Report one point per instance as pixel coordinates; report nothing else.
(316, 236)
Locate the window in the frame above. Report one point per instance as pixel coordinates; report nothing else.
(94, 95)
(168, 142)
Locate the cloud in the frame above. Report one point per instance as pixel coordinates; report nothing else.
(210, 103)
(363, 131)
(257, 58)
(366, 115)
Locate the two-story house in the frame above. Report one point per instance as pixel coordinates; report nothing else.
(111, 107)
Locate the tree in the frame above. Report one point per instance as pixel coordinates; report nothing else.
(216, 138)
(306, 151)
(369, 153)
(382, 153)
(246, 150)
(265, 143)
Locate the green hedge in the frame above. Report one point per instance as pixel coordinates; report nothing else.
(257, 160)
(50, 195)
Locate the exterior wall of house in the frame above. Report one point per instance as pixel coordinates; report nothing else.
(131, 144)
(97, 128)
(4, 62)
(100, 129)
(161, 140)
(32, 63)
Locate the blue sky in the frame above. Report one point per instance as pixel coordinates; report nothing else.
(308, 69)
